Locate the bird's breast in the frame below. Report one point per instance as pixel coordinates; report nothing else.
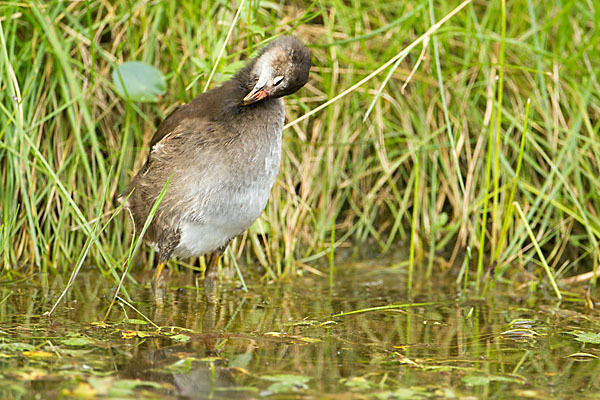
(223, 200)
(227, 210)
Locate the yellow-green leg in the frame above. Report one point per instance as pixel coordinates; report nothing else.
(211, 277)
(159, 283)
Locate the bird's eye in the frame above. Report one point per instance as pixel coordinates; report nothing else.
(277, 80)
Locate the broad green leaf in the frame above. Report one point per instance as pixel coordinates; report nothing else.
(138, 81)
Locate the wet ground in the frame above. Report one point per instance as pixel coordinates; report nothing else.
(363, 338)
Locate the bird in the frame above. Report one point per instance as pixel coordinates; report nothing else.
(217, 158)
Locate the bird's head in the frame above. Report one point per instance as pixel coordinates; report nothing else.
(280, 69)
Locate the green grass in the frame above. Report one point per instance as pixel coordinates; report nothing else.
(69, 144)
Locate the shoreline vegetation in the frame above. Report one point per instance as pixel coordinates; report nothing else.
(478, 151)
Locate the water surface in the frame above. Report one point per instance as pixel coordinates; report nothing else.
(363, 338)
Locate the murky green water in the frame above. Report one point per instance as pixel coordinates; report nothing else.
(288, 340)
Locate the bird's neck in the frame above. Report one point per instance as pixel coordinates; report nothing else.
(245, 78)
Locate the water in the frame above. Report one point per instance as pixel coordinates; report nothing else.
(297, 339)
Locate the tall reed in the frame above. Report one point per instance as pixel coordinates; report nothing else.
(69, 144)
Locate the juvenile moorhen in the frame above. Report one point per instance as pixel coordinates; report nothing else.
(221, 154)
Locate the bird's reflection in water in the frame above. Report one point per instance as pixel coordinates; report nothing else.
(160, 360)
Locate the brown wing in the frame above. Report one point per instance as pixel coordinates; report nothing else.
(202, 109)
(169, 124)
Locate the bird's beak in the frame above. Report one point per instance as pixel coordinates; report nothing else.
(258, 93)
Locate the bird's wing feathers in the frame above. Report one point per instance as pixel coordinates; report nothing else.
(168, 125)
(201, 111)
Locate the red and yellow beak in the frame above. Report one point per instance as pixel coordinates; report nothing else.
(257, 94)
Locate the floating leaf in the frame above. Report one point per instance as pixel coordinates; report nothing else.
(77, 341)
(16, 347)
(29, 374)
(180, 338)
(356, 382)
(401, 394)
(125, 387)
(135, 383)
(587, 337)
(73, 352)
(82, 391)
(285, 383)
(100, 324)
(126, 334)
(135, 321)
(477, 380)
(38, 354)
(139, 81)
(101, 386)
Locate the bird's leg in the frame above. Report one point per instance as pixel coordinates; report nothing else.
(159, 283)
(211, 277)
(167, 242)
